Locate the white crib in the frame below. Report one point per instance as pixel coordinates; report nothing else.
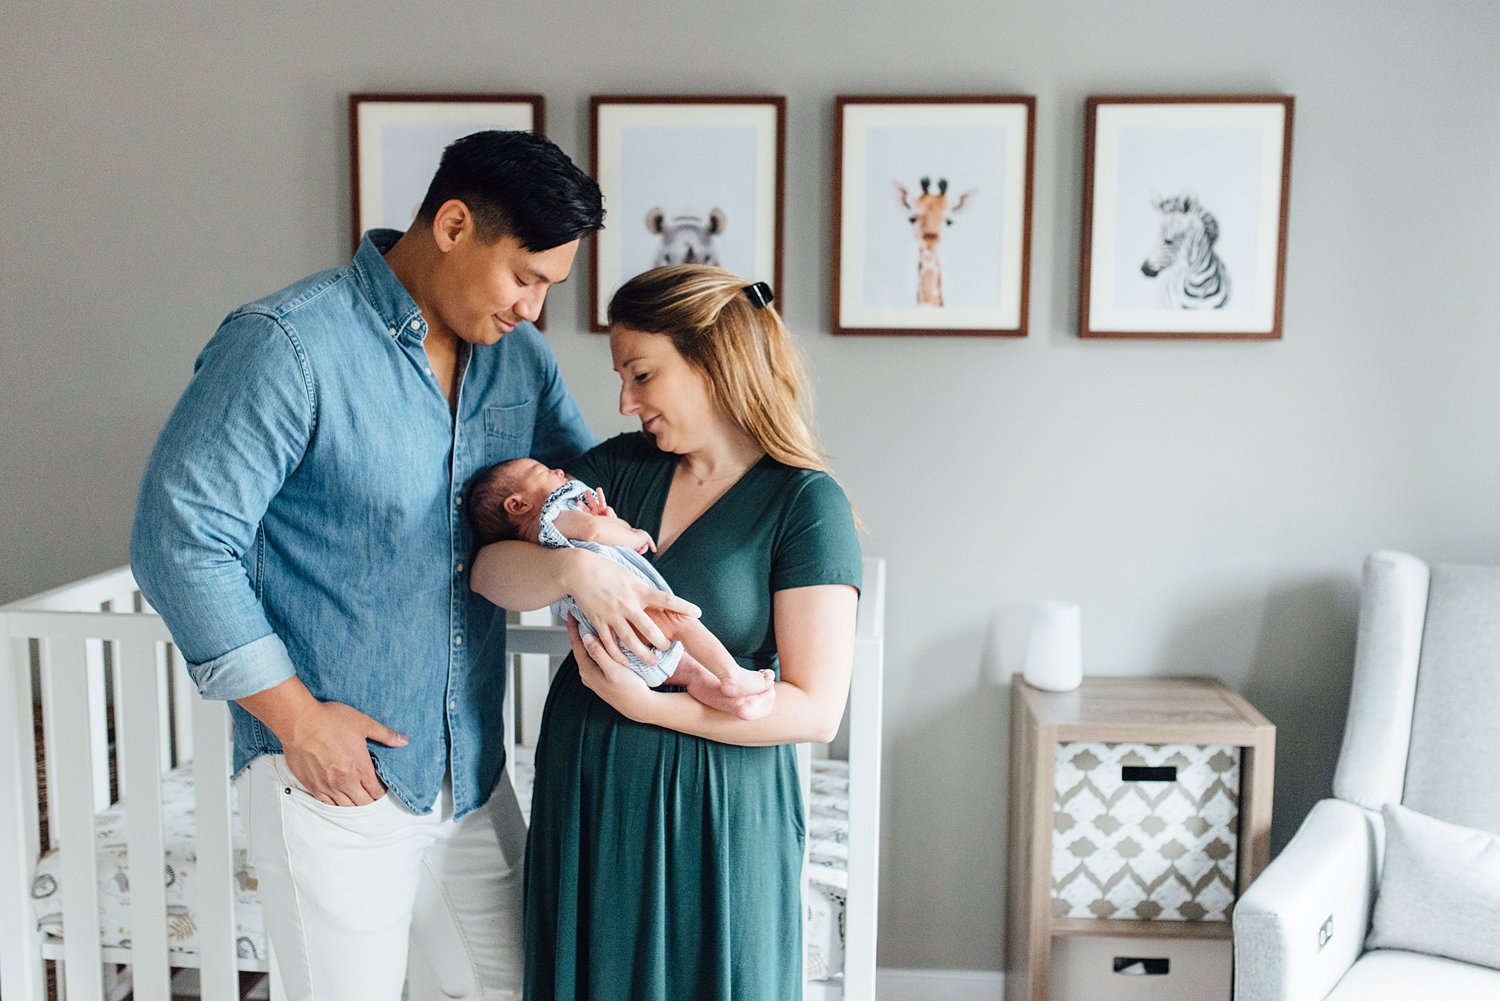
(78, 650)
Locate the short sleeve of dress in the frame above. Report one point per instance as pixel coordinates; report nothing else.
(818, 543)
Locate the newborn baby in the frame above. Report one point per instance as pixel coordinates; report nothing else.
(523, 499)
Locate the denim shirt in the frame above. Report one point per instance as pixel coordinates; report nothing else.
(302, 513)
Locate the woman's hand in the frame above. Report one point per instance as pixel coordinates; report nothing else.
(523, 576)
(621, 687)
(616, 601)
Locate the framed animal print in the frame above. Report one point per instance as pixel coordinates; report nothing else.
(1184, 217)
(396, 140)
(687, 180)
(932, 214)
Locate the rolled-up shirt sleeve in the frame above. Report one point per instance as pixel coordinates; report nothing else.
(240, 429)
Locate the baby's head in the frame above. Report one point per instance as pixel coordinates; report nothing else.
(505, 499)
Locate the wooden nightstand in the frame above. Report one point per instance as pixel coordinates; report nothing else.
(1140, 808)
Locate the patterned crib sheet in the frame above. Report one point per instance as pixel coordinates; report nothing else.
(179, 871)
(827, 870)
(823, 929)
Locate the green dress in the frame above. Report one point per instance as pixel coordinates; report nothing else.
(661, 865)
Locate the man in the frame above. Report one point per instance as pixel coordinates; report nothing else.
(300, 529)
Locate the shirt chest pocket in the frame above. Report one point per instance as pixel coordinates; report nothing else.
(508, 430)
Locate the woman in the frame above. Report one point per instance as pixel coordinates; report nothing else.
(665, 852)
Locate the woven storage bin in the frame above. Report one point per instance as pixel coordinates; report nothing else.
(1145, 831)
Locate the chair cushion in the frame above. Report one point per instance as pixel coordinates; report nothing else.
(1405, 976)
(1439, 890)
(1456, 718)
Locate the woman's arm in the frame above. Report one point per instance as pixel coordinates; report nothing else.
(815, 642)
(523, 576)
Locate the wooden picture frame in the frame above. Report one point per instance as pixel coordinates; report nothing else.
(396, 140)
(687, 178)
(1185, 216)
(895, 158)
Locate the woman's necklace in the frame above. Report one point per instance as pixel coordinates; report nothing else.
(704, 481)
(694, 495)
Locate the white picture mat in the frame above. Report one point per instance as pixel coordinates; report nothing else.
(1007, 183)
(1112, 120)
(619, 243)
(401, 142)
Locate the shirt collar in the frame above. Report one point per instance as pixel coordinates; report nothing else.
(392, 302)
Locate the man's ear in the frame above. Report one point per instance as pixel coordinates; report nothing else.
(515, 505)
(451, 223)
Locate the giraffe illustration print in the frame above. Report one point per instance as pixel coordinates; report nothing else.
(930, 214)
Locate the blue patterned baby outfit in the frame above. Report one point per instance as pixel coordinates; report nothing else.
(570, 495)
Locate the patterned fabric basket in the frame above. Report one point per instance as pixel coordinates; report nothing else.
(1145, 832)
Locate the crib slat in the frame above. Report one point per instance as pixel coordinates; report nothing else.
(122, 602)
(139, 721)
(866, 704)
(98, 723)
(534, 677)
(213, 904)
(66, 683)
(804, 779)
(49, 731)
(20, 964)
(162, 659)
(184, 701)
(508, 713)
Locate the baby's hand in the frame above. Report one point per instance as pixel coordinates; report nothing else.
(643, 541)
(593, 502)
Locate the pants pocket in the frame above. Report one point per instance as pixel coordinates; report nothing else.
(353, 818)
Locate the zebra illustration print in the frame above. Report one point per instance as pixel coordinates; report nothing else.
(1190, 274)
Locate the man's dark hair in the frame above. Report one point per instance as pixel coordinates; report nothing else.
(516, 184)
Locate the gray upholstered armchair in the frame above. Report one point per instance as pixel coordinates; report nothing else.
(1423, 732)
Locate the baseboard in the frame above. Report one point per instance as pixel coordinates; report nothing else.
(949, 985)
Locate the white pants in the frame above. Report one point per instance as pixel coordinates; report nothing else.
(350, 892)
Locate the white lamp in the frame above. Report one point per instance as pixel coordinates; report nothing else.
(1054, 651)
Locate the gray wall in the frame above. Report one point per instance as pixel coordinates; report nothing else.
(1207, 504)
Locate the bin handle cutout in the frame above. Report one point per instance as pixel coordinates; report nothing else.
(1140, 966)
(1143, 773)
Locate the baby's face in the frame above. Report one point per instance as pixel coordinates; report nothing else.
(537, 481)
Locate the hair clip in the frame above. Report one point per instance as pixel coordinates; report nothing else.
(760, 295)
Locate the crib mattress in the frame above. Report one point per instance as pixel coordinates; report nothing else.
(827, 871)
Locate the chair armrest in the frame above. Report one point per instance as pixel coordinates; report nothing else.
(1302, 924)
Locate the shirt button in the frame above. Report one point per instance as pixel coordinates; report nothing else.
(459, 501)
(427, 370)
(452, 703)
(458, 641)
(391, 331)
(416, 324)
(459, 568)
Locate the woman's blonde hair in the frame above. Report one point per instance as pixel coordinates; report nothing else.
(754, 371)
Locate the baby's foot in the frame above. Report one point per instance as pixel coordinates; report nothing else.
(743, 682)
(703, 686)
(757, 706)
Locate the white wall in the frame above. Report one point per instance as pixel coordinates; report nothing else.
(1207, 504)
